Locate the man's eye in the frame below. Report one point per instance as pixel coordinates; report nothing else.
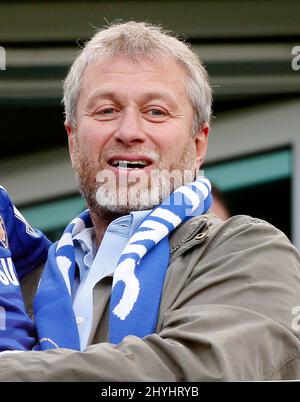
(106, 113)
(156, 113)
(108, 110)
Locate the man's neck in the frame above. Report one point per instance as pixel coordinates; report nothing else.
(101, 221)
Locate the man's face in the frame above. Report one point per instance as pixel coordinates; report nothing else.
(134, 124)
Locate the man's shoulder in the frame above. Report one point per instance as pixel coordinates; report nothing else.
(248, 231)
(248, 250)
(235, 221)
(221, 228)
(206, 235)
(245, 225)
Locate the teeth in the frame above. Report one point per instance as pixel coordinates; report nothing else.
(129, 164)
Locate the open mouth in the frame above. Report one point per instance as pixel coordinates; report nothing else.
(129, 164)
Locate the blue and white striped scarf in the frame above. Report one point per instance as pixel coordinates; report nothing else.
(138, 278)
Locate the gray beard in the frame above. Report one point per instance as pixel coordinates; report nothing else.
(103, 198)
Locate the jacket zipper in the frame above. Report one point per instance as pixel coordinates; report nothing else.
(195, 231)
(190, 237)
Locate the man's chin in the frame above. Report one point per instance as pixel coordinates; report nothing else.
(123, 205)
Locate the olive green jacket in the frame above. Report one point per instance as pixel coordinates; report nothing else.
(228, 312)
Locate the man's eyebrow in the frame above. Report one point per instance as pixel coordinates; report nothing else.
(107, 94)
(147, 96)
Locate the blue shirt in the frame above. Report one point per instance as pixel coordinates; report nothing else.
(95, 264)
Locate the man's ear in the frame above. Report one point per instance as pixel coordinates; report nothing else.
(201, 143)
(70, 132)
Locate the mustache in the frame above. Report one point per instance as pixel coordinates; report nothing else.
(149, 153)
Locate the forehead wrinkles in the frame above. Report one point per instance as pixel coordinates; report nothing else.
(104, 72)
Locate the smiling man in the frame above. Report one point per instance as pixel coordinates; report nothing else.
(147, 284)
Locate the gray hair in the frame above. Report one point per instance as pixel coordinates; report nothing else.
(139, 40)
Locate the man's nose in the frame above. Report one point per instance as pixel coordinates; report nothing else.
(130, 128)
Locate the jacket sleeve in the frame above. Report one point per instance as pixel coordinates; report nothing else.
(232, 320)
